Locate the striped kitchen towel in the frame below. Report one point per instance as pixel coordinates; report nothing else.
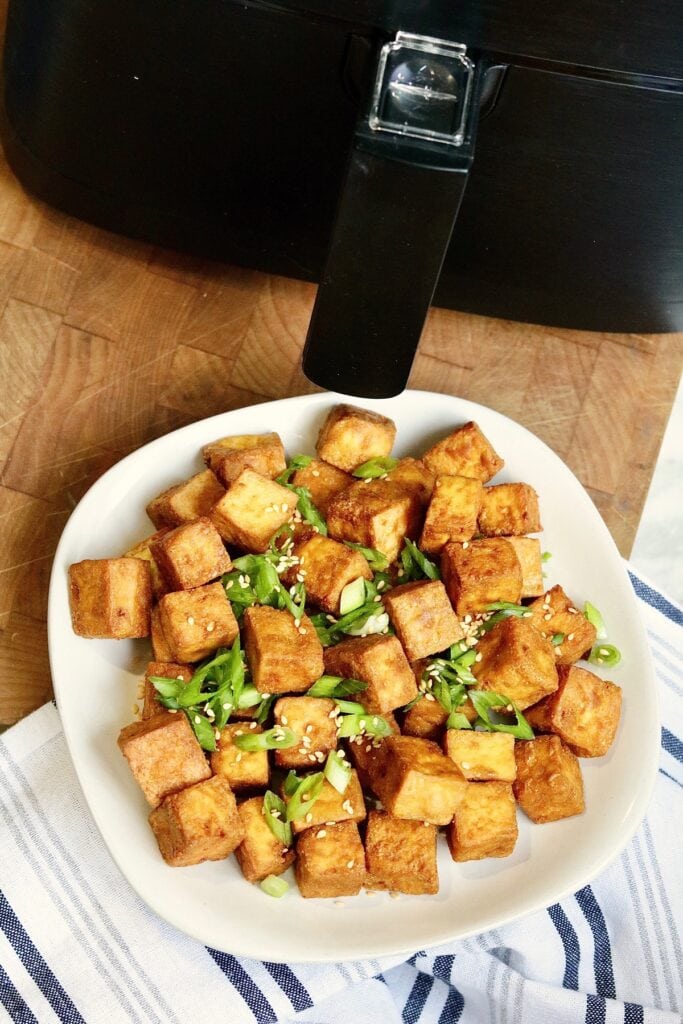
(76, 944)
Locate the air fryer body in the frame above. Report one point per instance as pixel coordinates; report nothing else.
(223, 128)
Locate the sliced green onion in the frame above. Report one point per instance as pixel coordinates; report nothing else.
(272, 885)
(167, 687)
(249, 697)
(375, 622)
(337, 772)
(595, 619)
(297, 462)
(373, 468)
(506, 606)
(415, 564)
(278, 738)
(309, 512)
(352, 596)
(546, 556)
(485, 700)
(456, 720)
(275, 813)
(375, 559)
(350, 707)
(557, 638)
(291, 782)
(264, 710)
(413, 702)
(363, 724)
(605, 654)
(203, 730)
(311, 786)
(336, 686)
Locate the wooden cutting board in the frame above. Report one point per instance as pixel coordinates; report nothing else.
(106, 343)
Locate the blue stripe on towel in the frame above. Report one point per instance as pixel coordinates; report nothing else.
(656, 600)
(595, 1010)
(453, 1007)
(672, 744)
(419, 994)
(13, 1002)
(633, 1013)
(245, 985)
(602, 954)
(290, 985)
(570, 942)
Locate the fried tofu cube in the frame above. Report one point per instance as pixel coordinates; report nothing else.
(364, 750)
(191, 555)
(323, 481)
(465, 452)
(584, 712)
(186, 501)
(482, 756)
(197, 622)
(197, 824)
(452, 513)
(485, 823)
(243, 769)
(143, 550)
(549, 785)
(378, 514)
(309, 718)
(227, 457)
(423, 618)
(283, 657)
(509, 509)
(260, 854)
(426, 719)
(350, 436)
(327, 566)
(161, 649)
(528, 551)
(400, 855)
(415, 477)
(332, 806)
(110, 598)
(517, 662)
(554, 613)
(164, 755)
(479, 572)
(330, 861)
(378, 661)
(252, 510)
(167, 670)
(414, 779)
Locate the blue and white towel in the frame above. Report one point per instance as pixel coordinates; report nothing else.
(76, 944)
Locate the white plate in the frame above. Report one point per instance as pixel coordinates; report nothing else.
(96, 681)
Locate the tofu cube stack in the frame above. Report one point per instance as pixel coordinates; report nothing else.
(403, 787)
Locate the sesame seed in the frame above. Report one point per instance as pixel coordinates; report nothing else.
(274, 813)
(395, 895)
(229, 584)
(509, 707)
(253, 725)
(309, 728)
(181, 678)
(173, 711)
(304, 797)
(284, 506)
(197, 719)
(465, 545)
(309, 817)
(558, 652)
(465, 765)
(426, 824)
(210, 626)
(190, 620)
(136, 709)
(429, 696)
(239, 732)
(527, 615)
(350, 863)
(603, 652)
(548, 616)
(570, 636)
(478, 656)
(238, 758)
(302, 630)
(284, 719)
(368, 748)
(265, 696)
(315, 472)
(321, 833)
(217, 734)
(312, 757)
(572, 611)
(320, 756)
(600, 661)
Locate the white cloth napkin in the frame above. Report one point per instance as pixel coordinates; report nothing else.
(76, 944)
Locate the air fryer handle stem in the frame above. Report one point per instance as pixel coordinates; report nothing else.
(394, 220)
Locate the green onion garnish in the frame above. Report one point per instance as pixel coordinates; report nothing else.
(297, 462)
(375, 559)
(363, 724)
(595, 619)
(336, 687)
(373, 468)
(249, 697)
(557, 638)
(546, 556)
(350, 707)
(605, 654)
(310, 788)
(456, 720)
(415, 565)
(352, 596)
(278, 738)
(272, 885)
(203, 730)
(485, 700)
(275, 813)
(337, 772)
(413, 702)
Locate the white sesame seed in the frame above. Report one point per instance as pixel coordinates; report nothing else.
(509, 707)
(527, 615)
(302, 630)
(210, 626)
(265, 696)
(136, 709)
(197, 719)
(274, 813)
(173, 711)
(368, 748)
(558, 652)
(600, 661)
(467, 619)
(309, 817)
(315, 472)
(253, 725)
(548, 616)
(217, 734)
(426, 824)
(190, 620)
(309, 728)
(570, 636)
(465, 765)
(321, 833)
(238, 758)
(572, 610)
(350, 863)
(239, 732)
(395, 895)
(284, 719)
(478, 656)
(312, 757)
(429, 696)
(465, 545)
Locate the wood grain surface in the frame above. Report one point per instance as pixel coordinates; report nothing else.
(106, 343)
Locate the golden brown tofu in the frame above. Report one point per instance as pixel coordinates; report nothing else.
(378, 661)
(415, 477)
(110, 598)
(164, 755)
(479, 572)
(554, 613)
(485, 823)
(517, 662)
(160, 646)
(452, 513)
(187, 501)
(528, 551)
(549, 785)
(327, 566)
(143, 550)
(312, 719)
(283, 657)
(332, 806)
(264, 453)
(509, 509)
(197, 622)
(168, 670)
(377, 514)
(323, 481)
(330, 861)
(584, 712)
(191, 555)
(252, 510)
(414, 779)
(350, 436)
(426, 719)
(423, 618)
(400, 855)
(199, 823)
(243, 769)
(465, 452)
(364, 750)
(260, 854)
(482, 756)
